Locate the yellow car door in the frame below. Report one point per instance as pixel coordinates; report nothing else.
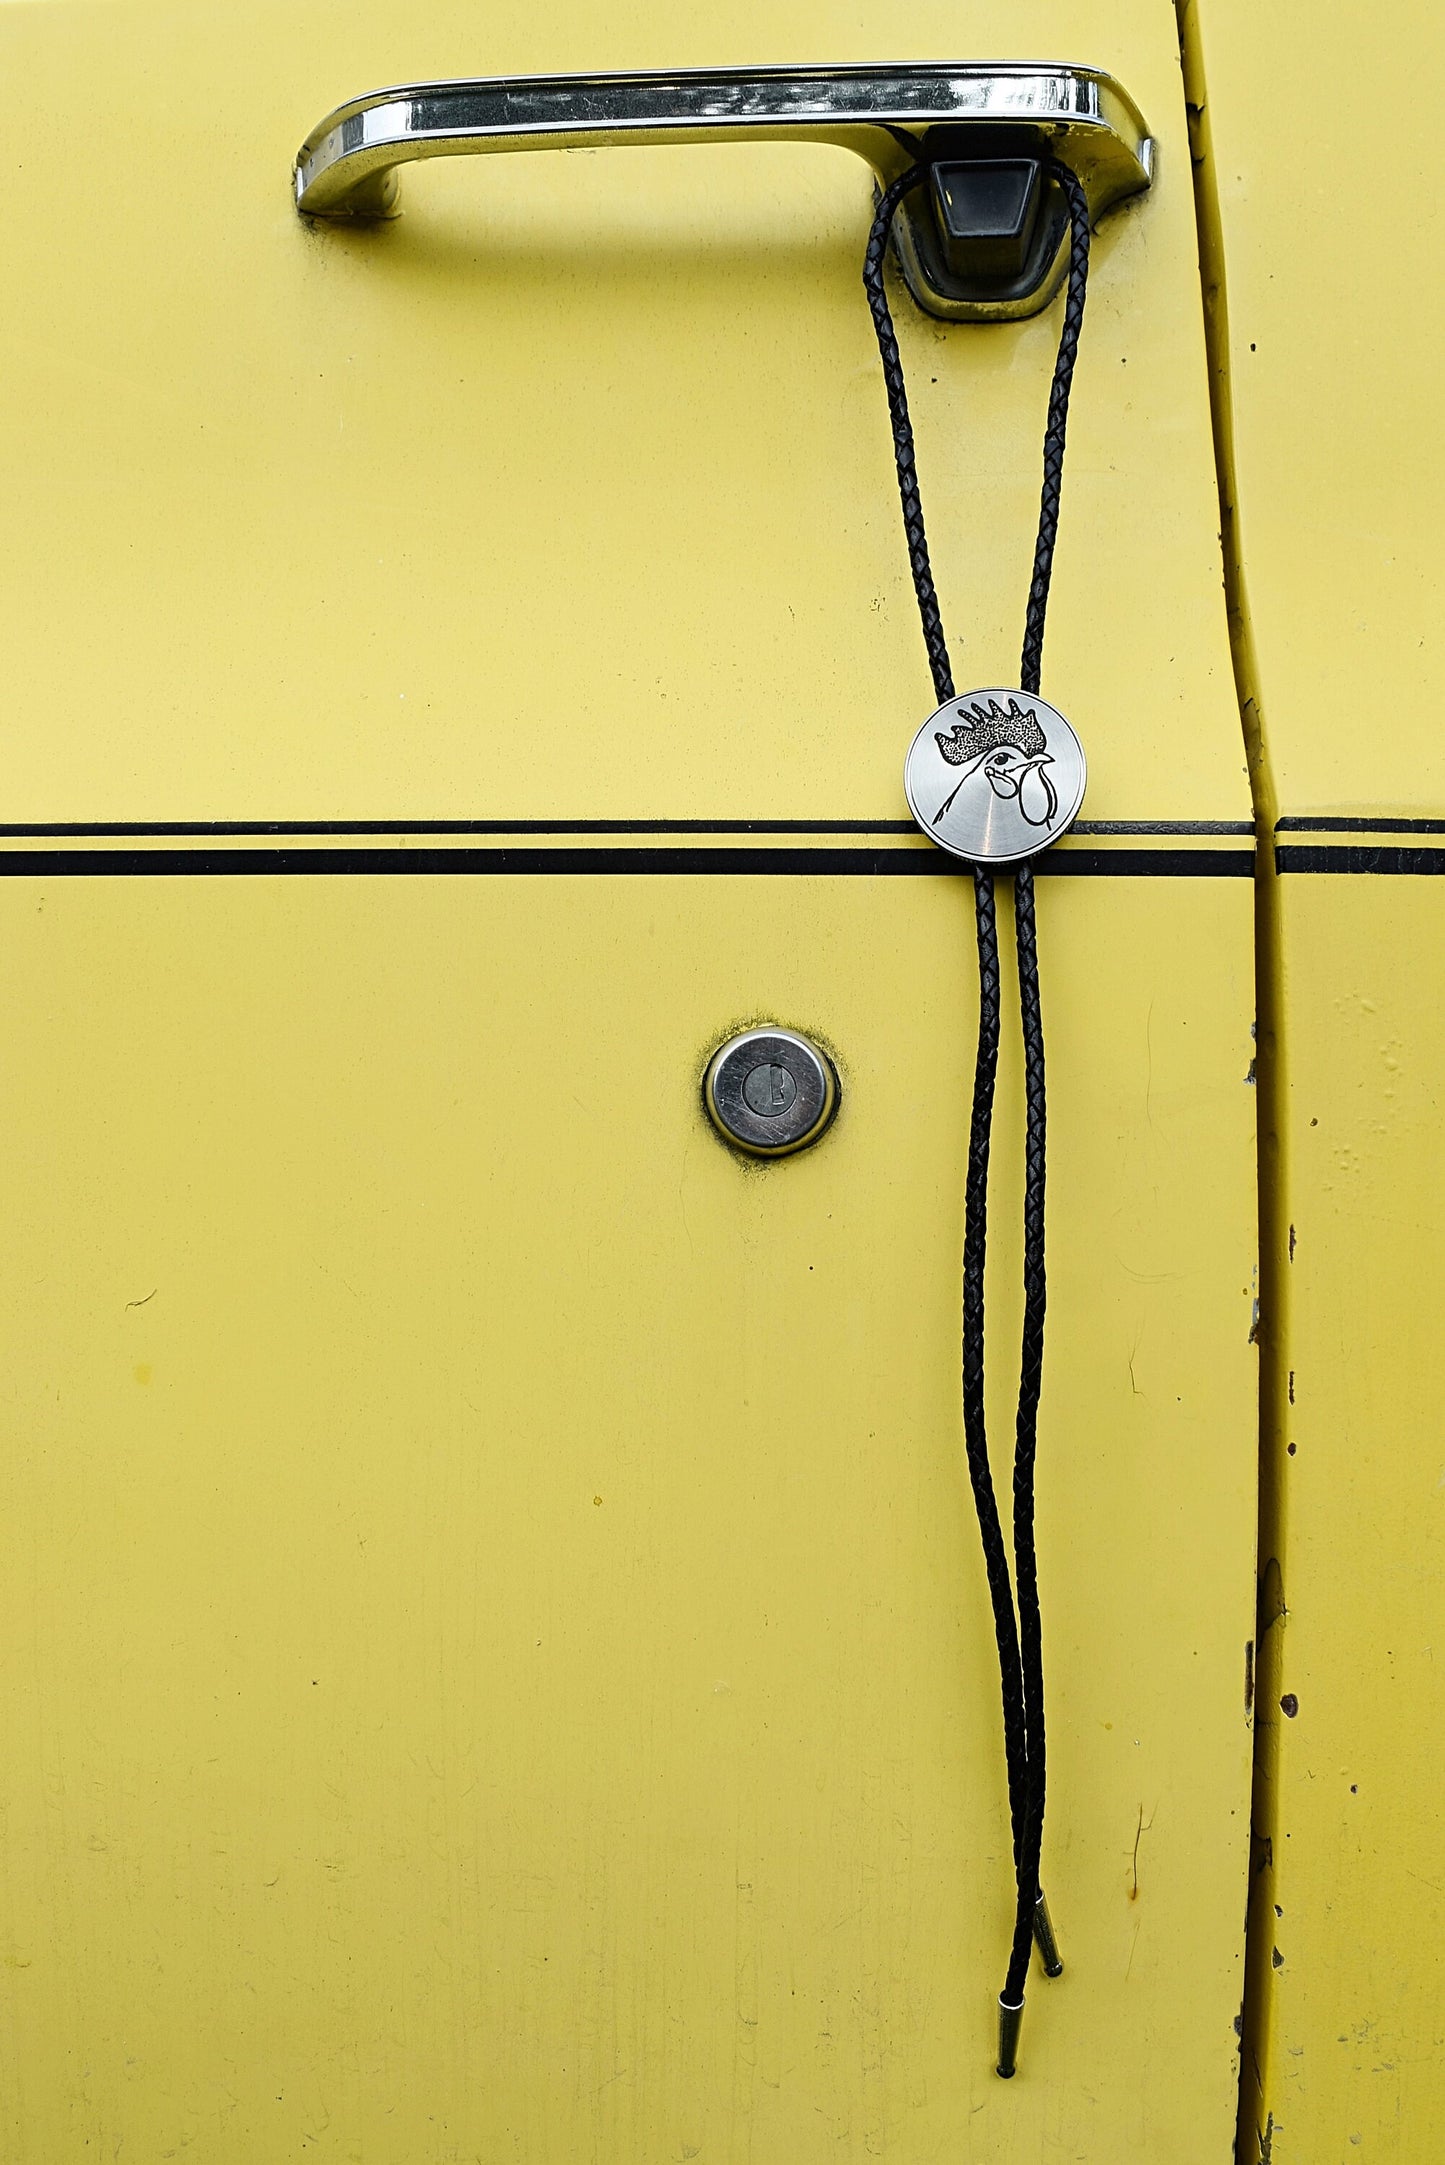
(1325, 329)
(497, 1662)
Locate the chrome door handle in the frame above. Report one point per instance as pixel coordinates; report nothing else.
(961, 254)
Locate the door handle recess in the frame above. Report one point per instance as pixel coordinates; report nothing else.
(985, 241)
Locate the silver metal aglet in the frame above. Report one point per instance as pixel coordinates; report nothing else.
(1010, 2023)
(1045, 1940)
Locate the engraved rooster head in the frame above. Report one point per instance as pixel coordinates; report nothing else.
(1007, 749)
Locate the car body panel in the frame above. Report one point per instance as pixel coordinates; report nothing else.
(1325, 325)
(498, 1662)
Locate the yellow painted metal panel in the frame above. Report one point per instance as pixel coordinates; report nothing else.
(1352, 2052)
(307, 523)
(1323, 169)
(1327, 329)
(496, 1657)
(496, 1650)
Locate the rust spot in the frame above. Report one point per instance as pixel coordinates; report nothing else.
(1289, 1705)
(1291, 1448)
(1291, 1386)
(1248, 1675)
(1276, 1958)
(1291, 1244)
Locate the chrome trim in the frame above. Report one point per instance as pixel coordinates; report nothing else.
(1010, 2029)
(1046, 1939)
(801, 1112)
(347, 167)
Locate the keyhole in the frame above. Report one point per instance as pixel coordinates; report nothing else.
(769, 1091)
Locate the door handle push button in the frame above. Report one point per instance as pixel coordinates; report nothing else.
(770, 1092)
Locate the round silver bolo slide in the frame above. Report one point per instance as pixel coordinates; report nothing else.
(995, 776)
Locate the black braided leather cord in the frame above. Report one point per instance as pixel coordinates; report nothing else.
(975, 1431)
(1031, 1371)
(1019, 1637)
(1031, 1365)
(1056, 425)
(903, 455)
(974, 1339)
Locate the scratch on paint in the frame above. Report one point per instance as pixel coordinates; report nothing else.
(1149, 1065)
(149, 1297)
(1141, 1829)
(1139, 1833)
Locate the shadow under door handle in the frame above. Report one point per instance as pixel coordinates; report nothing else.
(986, 241)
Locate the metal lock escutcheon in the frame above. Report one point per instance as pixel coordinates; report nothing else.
(770, 1092)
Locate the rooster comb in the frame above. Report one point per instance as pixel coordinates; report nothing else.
(981, 728)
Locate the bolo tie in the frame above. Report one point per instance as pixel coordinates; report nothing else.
(993, 777)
